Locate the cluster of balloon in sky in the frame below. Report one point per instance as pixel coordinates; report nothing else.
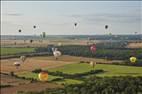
(42, 35)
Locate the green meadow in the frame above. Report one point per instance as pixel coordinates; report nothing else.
(11, 51)
(110, 71)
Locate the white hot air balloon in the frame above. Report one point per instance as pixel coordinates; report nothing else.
(93, 64)
(17, 64)
(56, 53)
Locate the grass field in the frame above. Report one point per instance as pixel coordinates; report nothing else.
(110, 70)
(35, 76)
(50, 78)
(10, 51)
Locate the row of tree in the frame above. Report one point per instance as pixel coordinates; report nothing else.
(105, 51)
(96, 85)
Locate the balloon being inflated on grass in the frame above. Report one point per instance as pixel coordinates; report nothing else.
(17, 64)
(43, 76)
(23, 58)
(93, 64)
(56, 53)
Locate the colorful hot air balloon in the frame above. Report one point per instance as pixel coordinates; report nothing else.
(133, 59)
(43, 76)
(93, 48)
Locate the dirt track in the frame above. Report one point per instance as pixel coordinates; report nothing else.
(135, 45)
(34, 63)
(43, 62)
(38, 86)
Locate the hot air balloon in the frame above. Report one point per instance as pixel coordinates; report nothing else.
(59, 44)
(31, 41)
(43, 76)
(56, 53)
(22, 58)
(106, 26)
(93, 48)
(92, 64)
(17, 64)
(43, 34)
(34, 26)
(75, 24)
(20, 30)
(133, 59)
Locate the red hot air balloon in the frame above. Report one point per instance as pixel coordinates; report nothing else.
(93, 48)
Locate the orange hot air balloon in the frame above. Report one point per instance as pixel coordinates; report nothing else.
(43, 76)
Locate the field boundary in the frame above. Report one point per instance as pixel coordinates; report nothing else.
(25, 54)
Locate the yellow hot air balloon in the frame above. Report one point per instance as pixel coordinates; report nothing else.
(43, 76)
(133, 59)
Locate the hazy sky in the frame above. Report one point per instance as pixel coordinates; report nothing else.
(58, 17)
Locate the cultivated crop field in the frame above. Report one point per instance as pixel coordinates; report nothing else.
(11, 51)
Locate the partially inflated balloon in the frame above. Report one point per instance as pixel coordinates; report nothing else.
(93, 48)
(133, 59)
(43, 76)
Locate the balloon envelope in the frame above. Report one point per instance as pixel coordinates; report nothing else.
(34, 26)
(106, 26)
(75, 24)
(22, 58)
(93, 48)
(43, 76)
(19, 30)
(133, 59)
